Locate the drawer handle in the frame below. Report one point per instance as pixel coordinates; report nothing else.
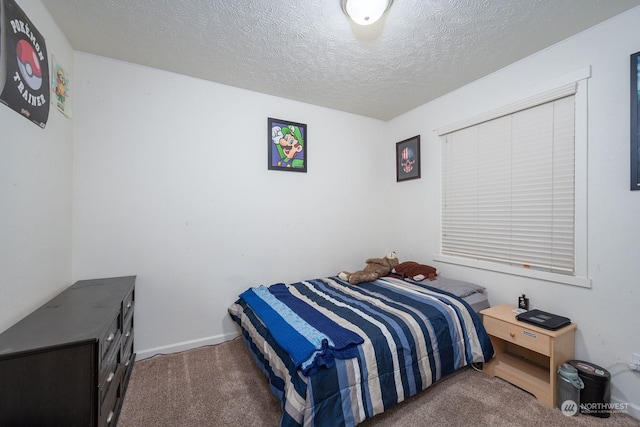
(128, 334)
(127, 363)
(110, 417)
(129, 304)
(512, 334)
(111, 337)
(110, 377)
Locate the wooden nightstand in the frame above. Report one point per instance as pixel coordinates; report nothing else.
(526, 355)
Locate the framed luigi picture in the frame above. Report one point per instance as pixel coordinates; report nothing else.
(288, 145)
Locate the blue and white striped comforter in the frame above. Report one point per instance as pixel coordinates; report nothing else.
(412, 335)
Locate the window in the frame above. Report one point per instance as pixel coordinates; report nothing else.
(509, 189)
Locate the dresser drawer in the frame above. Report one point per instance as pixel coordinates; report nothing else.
(110, 380)
(108, 370)
(109, 406)
(111, 338)
(127, 363)
(518, 335)
(127, 329)
(127, 348)
(128, 303)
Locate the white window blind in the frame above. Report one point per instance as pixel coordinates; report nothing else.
(508, 186)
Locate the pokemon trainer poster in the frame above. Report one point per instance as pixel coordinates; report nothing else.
(24, 66)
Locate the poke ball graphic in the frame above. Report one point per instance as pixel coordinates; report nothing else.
(28, 64)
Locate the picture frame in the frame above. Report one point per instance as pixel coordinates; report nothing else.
(635, 121)
(60, 83)
(408, 159)
(288, 145)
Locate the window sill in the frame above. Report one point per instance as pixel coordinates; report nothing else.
(583, 282)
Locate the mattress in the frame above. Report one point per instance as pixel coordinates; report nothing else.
(475, 295)
(477, 301)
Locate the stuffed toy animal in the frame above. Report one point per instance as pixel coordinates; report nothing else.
(415, 271)
(375, 268)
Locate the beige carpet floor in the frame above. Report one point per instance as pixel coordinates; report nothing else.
(221, 386)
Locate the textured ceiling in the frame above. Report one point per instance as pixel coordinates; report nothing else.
(308, 50)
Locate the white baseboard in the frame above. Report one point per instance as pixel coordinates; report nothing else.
(182, 346)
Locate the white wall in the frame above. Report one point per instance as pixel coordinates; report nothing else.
(35, 194)
(171, 184)
(608, 313)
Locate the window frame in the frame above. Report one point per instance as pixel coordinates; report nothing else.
(536, 96)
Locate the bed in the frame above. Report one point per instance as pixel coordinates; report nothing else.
(337, 354)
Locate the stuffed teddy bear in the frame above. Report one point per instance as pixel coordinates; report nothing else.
(415, 271)
(375, 268)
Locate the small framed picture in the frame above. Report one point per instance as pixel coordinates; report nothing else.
(408, 159)
(288, 145)
(60, 81)
(635, 121)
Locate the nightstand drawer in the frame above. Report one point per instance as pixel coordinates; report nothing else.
(518, 335)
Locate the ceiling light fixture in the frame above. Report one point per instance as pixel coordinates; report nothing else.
(365, 12)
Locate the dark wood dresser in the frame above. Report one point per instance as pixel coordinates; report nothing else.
(68, 363)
